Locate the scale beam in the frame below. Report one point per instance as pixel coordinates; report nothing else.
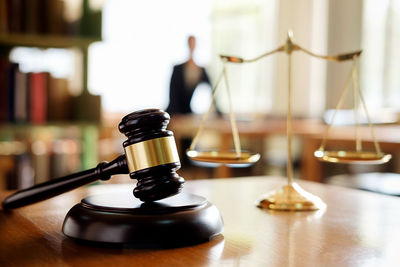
(291, 196)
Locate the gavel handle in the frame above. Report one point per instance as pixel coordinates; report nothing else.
(55, 187)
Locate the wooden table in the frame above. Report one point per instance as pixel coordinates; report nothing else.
(309, 131)
(256, 130)
(357, 229)
(343, 138)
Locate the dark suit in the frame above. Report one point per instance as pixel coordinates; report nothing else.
(179, 94)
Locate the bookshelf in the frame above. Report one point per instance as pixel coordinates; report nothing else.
(31, 154)
(9, 41)
(46, 41)
(63, 136)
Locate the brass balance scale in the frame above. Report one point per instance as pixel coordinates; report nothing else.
(291, 196)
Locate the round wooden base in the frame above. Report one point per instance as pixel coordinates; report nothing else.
(119, 218)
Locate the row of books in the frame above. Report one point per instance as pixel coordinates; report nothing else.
(56, 17)
(34, 98)
(45, 161)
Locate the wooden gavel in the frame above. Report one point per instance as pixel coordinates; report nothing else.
(150, 156)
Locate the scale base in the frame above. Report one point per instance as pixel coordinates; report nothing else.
(117, 219)
(291, 197)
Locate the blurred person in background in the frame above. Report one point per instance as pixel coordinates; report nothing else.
(184, 80)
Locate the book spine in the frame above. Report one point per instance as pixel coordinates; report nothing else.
(11, 91)
(3, 17)
(38, 96)
(34, 16)
(24, 171)
(58, 100)
(20, 96)
(65, 157)
(41, 161)
(4, 77)
(15, 16)
(53, 16)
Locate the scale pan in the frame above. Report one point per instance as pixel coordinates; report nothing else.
(360, 157)
(226, 158)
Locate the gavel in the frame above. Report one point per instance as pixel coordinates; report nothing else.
(150, 157)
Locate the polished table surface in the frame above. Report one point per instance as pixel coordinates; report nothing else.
(356, 229)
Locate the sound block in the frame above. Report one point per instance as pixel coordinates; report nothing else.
(119, 218)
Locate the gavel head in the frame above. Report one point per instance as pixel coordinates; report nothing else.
(151, 154)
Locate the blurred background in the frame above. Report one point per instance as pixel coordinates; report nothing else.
(71, 69)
